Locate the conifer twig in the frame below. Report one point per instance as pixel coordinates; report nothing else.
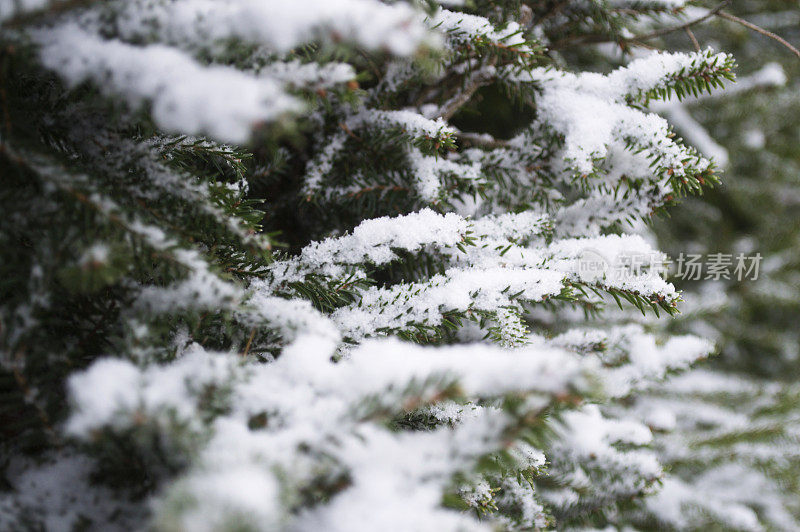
(452, 105)
(475, 139)
(692, 38)
(249, 342)
(658, 33)
(758, 29)
(589, 39)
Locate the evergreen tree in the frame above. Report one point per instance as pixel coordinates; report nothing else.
(302, 265)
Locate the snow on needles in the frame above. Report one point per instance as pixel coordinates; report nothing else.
(13, 8)
(256, 435)
(487, 268)
(462, 26)
(278, 25)
(590, 109)
(315, 416)
(372, 241)
(221, 101)
(316, 407)
(185, 96)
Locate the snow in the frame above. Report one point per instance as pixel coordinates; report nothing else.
(115, 393)
(278, 25)
(260, 435)
(458, 289)
(426, 169)
(216, 100)
(319, 167)
(679, 115)
(309, 75)
(412, 123)
(309, 399)
(373, 241)
(476, 281)
(464, 27)
(57, 491)
(14, 8)
(718, 493)
(215, 499)
(291, 317)
(589, 110)
(185, 96)
(754, 139)
(650, 361)
(428, 172)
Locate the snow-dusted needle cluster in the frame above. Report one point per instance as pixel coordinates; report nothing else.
(363, 349)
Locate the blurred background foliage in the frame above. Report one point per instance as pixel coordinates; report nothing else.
(737, 428)
(757, 207)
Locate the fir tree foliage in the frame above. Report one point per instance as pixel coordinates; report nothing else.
(255, 275)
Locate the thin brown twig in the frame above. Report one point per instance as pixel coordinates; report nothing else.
(347, 130)
(454, 104)
(476, 139)
(477, 80)
(249, 342)
(692, 38)
(658, 33)
(758, 29)
(378, 188)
